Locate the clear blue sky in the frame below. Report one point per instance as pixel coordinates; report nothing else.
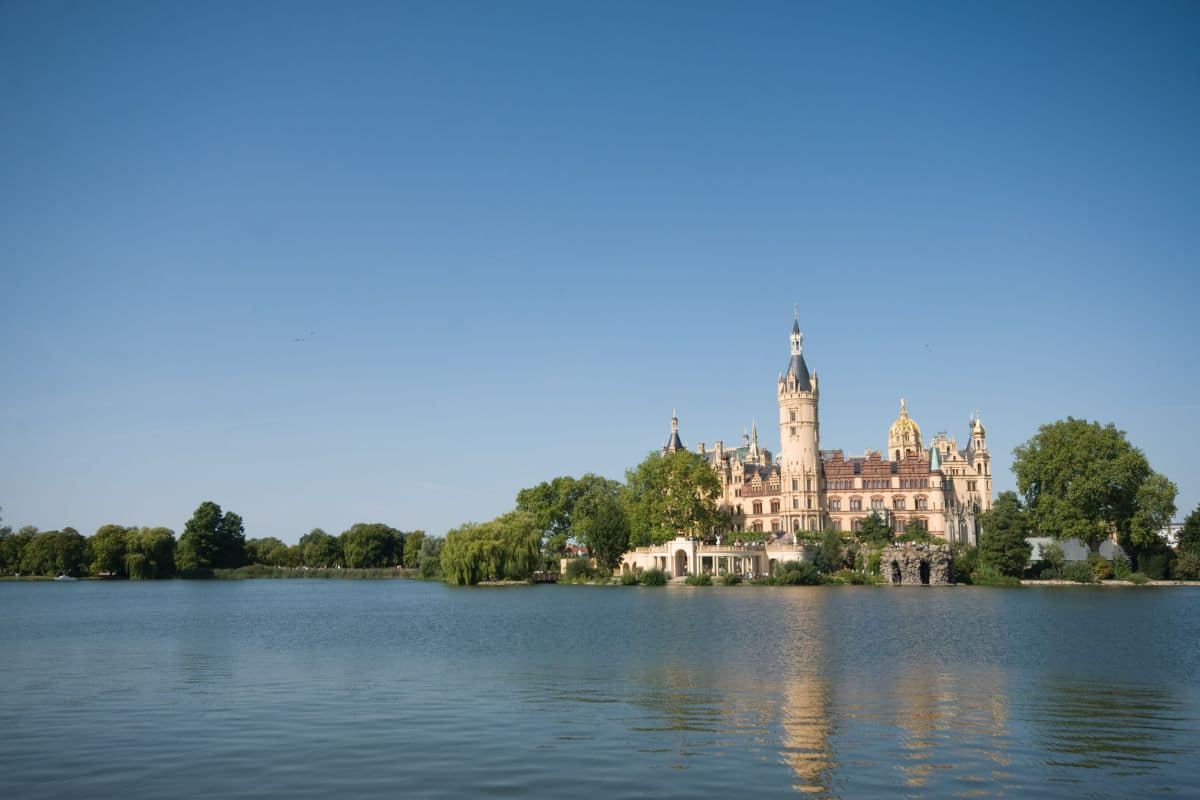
(515, 236)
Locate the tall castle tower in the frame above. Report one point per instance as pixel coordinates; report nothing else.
(800, 441)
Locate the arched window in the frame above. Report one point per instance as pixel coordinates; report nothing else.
(758, 508)
(897, 503)
(835, 504)
(774, 506)
(757, 526)
(837, 524)
(922, 503)
(877, 503)
(856, 504)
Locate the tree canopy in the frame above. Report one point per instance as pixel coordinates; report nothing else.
(372, 544)
(874, 530)
(319, 549)
(671, 494)
(600, 522)
(1003, 544)
(552, 504)
(507, 548)
(1083, 480)
(1189, 534)
(211, 540)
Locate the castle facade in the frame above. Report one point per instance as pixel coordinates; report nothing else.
(805, 488)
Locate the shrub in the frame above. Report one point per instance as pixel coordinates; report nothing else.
(1138, 579)
(701, 579)
(1102, 570)
(796, 573)
(854, 578)
(580, 570)
(629, 579)
(987, 575)
(873, 562)
(731, 579)
(1120, 566)
(1187, 566)
(653, 577)
(1080, 572)
(1049, 574)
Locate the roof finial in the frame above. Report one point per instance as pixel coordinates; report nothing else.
(903, 408)
(674, 422)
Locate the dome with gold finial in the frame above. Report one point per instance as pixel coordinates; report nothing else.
(904, 437)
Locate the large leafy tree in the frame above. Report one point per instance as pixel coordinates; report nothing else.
(319, 549)
(150, 553)
(508, 547)
(1085, 480)
(1003, 544)
(108, 550)
(430, 560)
(211, 540)
(667, 495)
(372, 544)
(552, 504)
(1189, 534)
(600, 522)
(63, 552)
(12, 547)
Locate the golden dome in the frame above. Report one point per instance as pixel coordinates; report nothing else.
(905, 426)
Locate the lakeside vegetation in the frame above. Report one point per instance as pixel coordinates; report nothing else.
(1075, 480)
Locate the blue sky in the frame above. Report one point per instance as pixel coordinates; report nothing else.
(515, 236)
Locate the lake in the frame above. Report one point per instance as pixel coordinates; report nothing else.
(310, 688)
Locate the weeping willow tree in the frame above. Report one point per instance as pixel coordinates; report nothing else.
(507, 548)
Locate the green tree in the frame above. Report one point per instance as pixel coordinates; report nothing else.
(670, 495)
(211, 540)
(269, 551)
(1154, 508)
(63, 552)
(320, 550)
(430, 561)
(1189, 534)
(874, 530)
(12, 547)
(1055, 557)
(1083, 480)
(108, 551)
(372, 544)
(1003, 544)
(552, 504)
(600, 523)
(508, 547)
(829, 555)
(150, 553)
(412, 549)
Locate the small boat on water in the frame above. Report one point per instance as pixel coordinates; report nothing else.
(65, 578)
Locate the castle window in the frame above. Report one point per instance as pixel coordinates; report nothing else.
(835, 504)
(856, 525)
(808, 502)
(793, 430)
(922, 504)
(856, 504)
(774, 506)
(758, 508)
(795, 484)
(792, 418)
(795, 502)
(898, 504)
(877, 503)
(808, 484)
(757, 526)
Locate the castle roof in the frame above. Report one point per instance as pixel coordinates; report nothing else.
(798, 369)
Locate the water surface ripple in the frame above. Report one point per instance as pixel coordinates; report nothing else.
(397, 688)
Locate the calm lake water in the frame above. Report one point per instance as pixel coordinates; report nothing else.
(399, 688)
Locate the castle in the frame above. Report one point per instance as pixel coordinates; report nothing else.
(805, 489)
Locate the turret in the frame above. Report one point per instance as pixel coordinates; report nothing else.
(674, 443)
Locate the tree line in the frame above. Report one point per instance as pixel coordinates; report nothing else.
(211, 540)
(1075, 479)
